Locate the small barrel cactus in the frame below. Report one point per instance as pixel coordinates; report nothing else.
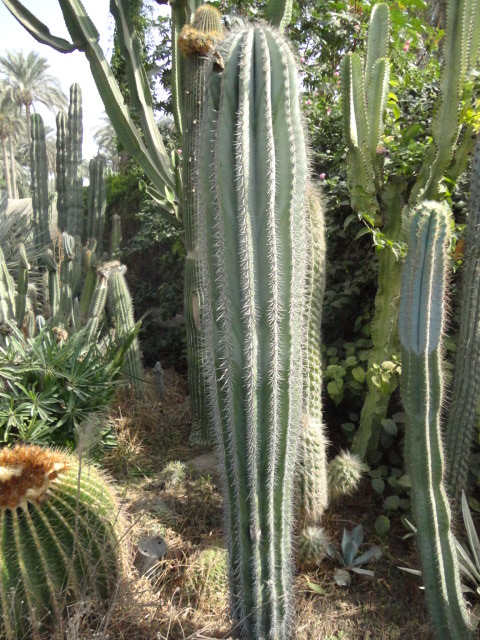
(59, 532)
(312, 547)
(344, 474)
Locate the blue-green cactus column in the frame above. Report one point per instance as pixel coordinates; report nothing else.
(252, 174)
(421, 320)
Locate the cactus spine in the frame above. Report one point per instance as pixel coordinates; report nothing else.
(121, 309)
(59, 533)
(465, 404)
(252, 174)
(74, 163)
(39, 173)
(312, 456)
(196, 41)
(421, 320)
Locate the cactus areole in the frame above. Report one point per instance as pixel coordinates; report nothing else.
(58, 543)
(252, 233)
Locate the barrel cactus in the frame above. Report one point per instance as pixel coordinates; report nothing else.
(252, 233)
(59, 533)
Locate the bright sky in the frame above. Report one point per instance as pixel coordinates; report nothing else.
(68, 68)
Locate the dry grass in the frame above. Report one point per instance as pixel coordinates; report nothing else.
(185, 596)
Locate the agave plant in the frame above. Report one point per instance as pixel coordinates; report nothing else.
(348, 558)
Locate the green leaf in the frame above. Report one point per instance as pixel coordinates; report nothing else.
(359, 374)
(390, 426)
(378, 485)
(382, 525)
(316, 588)
(392, 502)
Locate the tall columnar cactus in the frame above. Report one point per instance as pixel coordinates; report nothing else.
(7, 292)
(312, 456)
(53, 283)
(99, 298)
(66, 277)
(421, 320)
(59, 537)
(39, 173)
(196, 41)
(121, 310)
(464, 410)
(61, 170)
(74, 163)
(115, 235)
(97, 201)
(252, 174)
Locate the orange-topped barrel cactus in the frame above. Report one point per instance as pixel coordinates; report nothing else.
(59, 533)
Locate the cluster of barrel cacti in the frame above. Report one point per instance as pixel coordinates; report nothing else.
(60, 529)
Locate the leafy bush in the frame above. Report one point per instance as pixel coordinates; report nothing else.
(48, 386)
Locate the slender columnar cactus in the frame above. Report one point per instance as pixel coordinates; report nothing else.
(7, 292)
(252, 174)
(39, 173)
(66, 277)
(196, 42)
(53, 283)
(61, 170)
(97, 201)
(74, 163)
(312, 456)
(421, 320)
(115, 235)
(99, 298)
(465, 398)
(121, 310)
(59, 533)
(88, 286)
(22, 284)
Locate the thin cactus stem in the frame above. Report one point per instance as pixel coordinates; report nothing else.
(253, 172)
(53, 284)
(196, 41)
(115, 235)
(421, 320)
(464, 410)
(22, 285)
(99, 300)
(61, 170)
(39, 173)
(66, 278)
(96, 201)
(74, 163)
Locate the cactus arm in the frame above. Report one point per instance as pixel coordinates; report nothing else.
(465, 405)
(279, 13)
(376, 100)
(421, 320)
(138, 84)
(378, 32)
(460, 48)
(36, 28)
(61, 170)
(85, 37)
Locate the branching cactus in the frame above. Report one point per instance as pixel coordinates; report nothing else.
(59, 539)
(196, 41)
(39, 173)
(121, 310)
(421, 320)
(74, 163)
(312, 456)
(252, 174)
(464, 410)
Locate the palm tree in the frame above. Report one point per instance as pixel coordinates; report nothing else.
(107, 142)
(10, 125)
(30, 83)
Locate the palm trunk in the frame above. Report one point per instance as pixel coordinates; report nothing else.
(13, 166)
(7, 167)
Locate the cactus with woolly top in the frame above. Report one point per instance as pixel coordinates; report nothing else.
(197, 41)
(464, 411)
(312, 547)
(59, 539)
(312, 455)
(421, 321)
(121, 311)
(39, 176)
(253, 169)
(345, 472)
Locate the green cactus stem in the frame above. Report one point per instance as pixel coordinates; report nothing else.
(7, 292)
(115, 235)
(421, 320)
(121, 310)
(66, 278)
(74, 164)
(252, 174)
(196, 41)
(465, 397)
(53, 283)
(312, 455)
(61, 170)
(99, 298)
(22, 285)
(88, 287)
(39, 174)
(97, 201)
(59, 533)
